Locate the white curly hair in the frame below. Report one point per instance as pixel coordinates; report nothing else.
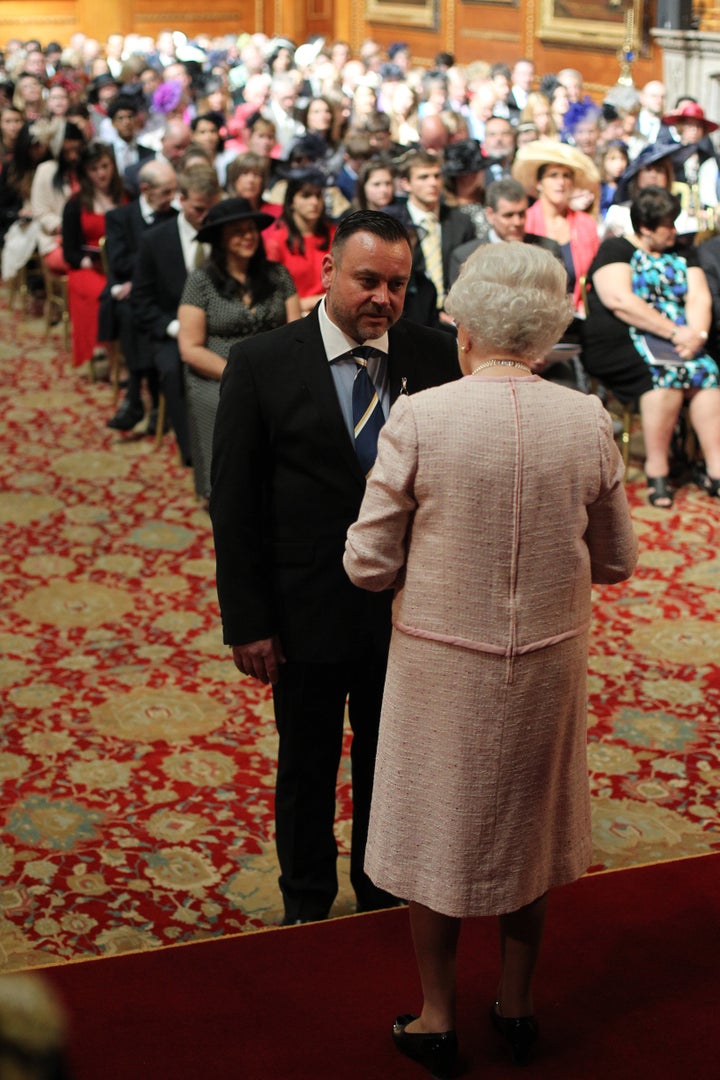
(512, 297)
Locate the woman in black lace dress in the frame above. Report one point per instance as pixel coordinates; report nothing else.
(237, 294)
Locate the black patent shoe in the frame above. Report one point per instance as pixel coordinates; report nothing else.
(519, 1031)
(436, 1051)
(126, 417)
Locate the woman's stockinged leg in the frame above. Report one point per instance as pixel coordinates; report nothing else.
(435, 938)
(520, 938)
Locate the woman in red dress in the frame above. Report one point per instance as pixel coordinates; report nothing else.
(303, 234)
(83, 227)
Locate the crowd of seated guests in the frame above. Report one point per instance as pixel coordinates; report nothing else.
(307, 132)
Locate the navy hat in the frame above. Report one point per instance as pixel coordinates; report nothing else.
(228, 210)
(657, 151)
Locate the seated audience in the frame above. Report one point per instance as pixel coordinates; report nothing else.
(614, 162)
(247, 176)
(303, 234)
(167, 254)
(444, 227)
(206, 133)
(653, 166)
(125, 228)
(552, 171)
(465, 174)
(237, 294)
(648, 318)
(83, 229)
(376, 185)
(53, 184)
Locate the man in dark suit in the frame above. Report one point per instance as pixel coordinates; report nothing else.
(506, 206)
(166, 255)
(176, 138)
(287, 482)
(443, 228)
(124, 229)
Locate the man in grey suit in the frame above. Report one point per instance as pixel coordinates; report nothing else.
(506, 206)
(287, 481)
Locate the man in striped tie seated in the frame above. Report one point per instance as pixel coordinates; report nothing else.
(295, 437)
(441, 228)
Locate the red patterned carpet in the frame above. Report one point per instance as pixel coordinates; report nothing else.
(137, 766)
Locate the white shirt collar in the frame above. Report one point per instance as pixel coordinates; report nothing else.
(418, 215)
(336, 341)
(145, 209)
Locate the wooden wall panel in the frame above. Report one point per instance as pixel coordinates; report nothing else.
(490, 30)
(51, 20)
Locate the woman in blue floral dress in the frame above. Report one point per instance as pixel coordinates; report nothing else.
(648, 316)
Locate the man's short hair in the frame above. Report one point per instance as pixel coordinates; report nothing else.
(121, 103)
(382, 225)
(416, 159)
(508, 189)
(200, 178)
(377, 121)
(357, 145)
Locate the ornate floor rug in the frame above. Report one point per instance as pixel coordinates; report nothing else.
(137, 765)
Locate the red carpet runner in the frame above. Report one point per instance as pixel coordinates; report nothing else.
(627, 988)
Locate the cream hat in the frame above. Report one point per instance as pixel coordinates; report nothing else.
(531, 156)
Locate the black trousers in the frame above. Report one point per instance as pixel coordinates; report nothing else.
(169, 365)
(309, 711)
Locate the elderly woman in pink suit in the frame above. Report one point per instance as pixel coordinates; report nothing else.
(494, 503)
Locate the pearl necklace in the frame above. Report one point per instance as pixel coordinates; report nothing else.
(501, 363)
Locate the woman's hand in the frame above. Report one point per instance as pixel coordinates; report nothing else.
(688, 342)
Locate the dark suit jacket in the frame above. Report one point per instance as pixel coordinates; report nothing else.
(455, 228)
(124, 229)
(464, 251)
(159, 279)
(709, 255)
(286, 485)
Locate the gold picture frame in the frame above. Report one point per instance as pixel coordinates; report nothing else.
(420, 13)
(596, 22)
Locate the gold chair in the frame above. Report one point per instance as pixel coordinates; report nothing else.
(19, 284)
(56, 304)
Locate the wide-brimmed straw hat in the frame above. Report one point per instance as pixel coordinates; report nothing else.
(690, 111)
(228, 210)
(533, 155)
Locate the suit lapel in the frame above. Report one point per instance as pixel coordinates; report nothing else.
(397, 362)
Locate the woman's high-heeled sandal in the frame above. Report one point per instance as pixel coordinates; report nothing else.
(660, 493)
(707, 483)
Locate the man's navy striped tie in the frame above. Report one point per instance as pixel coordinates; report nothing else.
(368, 416)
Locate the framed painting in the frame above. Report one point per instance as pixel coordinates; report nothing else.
(420, 13)
(595, 22)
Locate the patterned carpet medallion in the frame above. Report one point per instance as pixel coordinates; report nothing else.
(137, 765)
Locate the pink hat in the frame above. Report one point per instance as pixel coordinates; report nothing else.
(690, 111)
